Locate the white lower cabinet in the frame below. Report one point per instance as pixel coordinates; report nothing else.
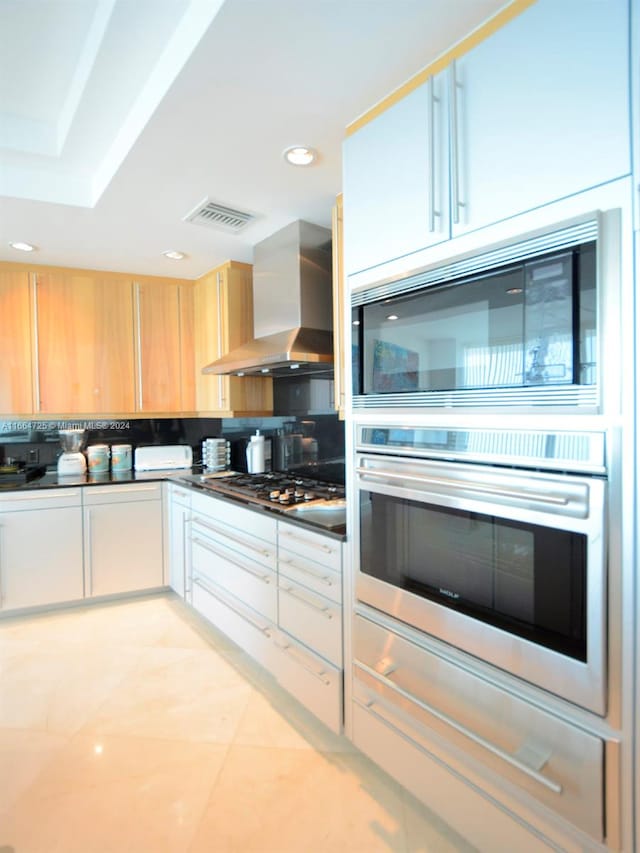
(40, 548)
(123, 542)
(178, 519)
(276, 590)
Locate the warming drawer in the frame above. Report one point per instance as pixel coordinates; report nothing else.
(423, 695)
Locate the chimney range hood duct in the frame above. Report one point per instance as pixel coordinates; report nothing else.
(292, 306)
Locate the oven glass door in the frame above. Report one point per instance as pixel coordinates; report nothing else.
(528, 324)
(505, 564)
(525, 578)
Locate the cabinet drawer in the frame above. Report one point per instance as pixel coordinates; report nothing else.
(557, 763)
(314, 683)
(251, 583)
(243, 626)
(312, 619)
(313, 546)
(121, 492)
(234, 540)
(178, 495)
(227, 513)
(313, 575)
(45, 499)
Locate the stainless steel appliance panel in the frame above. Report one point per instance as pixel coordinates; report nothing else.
(471, 579)
(555, 762)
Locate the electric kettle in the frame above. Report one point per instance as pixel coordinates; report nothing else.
(255, 454)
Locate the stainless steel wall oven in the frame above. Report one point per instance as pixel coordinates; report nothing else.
(493, 541)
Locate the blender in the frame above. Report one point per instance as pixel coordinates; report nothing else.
(71, 461)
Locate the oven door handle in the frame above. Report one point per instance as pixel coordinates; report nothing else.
(463, 730)
(535, 497)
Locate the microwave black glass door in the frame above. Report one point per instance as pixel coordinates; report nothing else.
(529, 324)
(526, 579)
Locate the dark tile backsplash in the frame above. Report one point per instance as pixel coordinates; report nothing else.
(37, 441)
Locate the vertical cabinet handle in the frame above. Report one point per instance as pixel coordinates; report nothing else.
(221, 394)
(185, 574)
(138, 341)
(89, 554)
(1, 593)
(338, 294)
(431, 141)
(35, 353)
(455, 153)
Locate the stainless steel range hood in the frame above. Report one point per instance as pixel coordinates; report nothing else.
(292, 306)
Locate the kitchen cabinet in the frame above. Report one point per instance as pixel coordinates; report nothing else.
(16, 341)
(233, 562)
(396, 180)
(85, 343)
(178, 518)
(340, 361)
(40, 548)
(224, 320)
(309, 642)
(123, 541)
(164, 316)
(536, 112)
(540, 110)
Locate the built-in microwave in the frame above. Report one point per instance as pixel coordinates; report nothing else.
(515, 325)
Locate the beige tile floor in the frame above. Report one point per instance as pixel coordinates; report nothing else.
(134, 727)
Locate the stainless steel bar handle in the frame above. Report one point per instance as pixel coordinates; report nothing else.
(287, 648)
(455, 154)
(35, 388)
(326, 548)
(185, 542)
(431, 142)
(294, 594)
(236, 539)
(463, 730)
(367, 473)
(221, 397)
(204, 544)
(216, 594)
(89, 552)
(325, 579)
(138, 339)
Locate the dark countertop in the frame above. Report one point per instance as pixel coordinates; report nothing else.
(331, 524)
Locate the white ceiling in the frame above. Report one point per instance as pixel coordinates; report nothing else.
(117, 117)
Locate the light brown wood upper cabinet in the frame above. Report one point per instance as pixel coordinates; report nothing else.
(165, 369)
(224, 320)
(85, 345)
(16, 370)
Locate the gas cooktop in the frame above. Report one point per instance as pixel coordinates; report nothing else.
(278, 490)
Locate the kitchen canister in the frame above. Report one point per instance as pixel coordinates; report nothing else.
(98, 458)
(121, 457)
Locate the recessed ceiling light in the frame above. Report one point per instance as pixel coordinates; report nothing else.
(356, 323)
(23, 247)
(175, 256)
(265, 370)
(300, 155)
(392, 317)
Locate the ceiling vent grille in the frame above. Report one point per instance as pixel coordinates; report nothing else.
(219, 216)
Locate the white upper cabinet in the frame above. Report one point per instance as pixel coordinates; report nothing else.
(540, 110)
(537, 111)
(396, 192)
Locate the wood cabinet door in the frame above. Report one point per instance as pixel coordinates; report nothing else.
(16, 374)
(84, 343)
(164, 320)
(224, 311)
